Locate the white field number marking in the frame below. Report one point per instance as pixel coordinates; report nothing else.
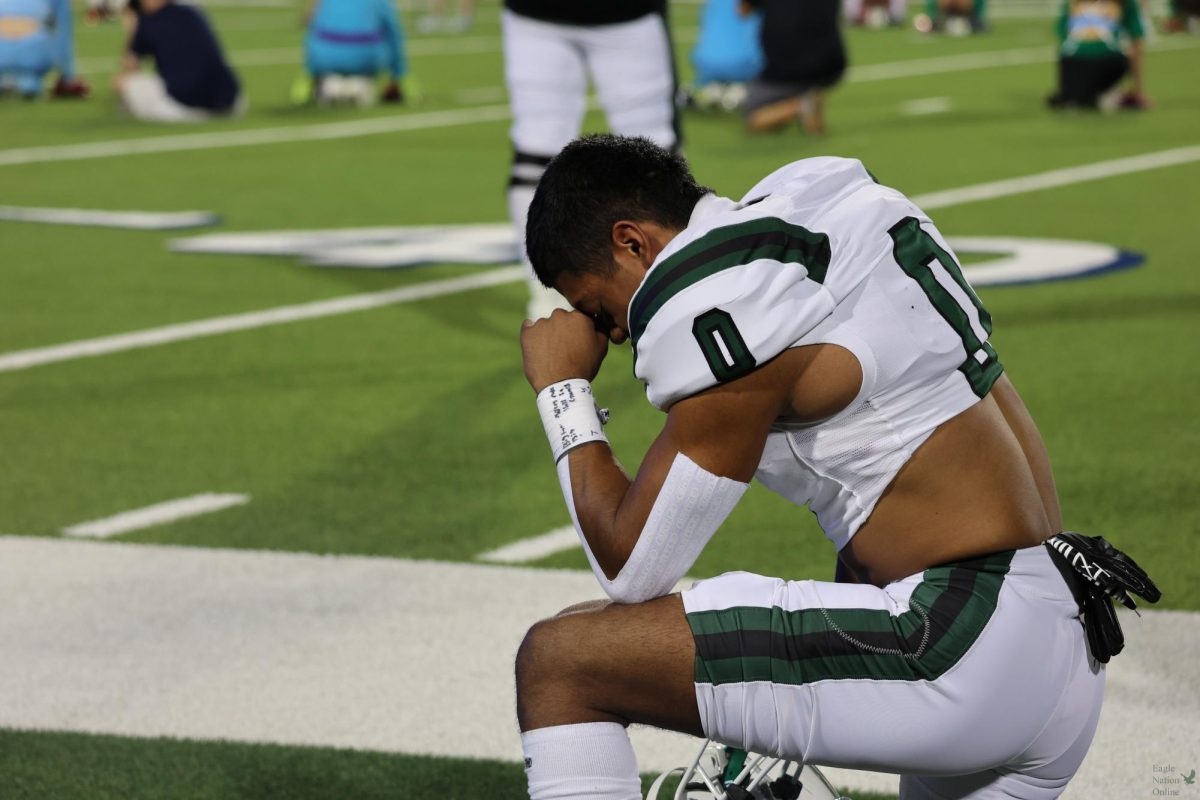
(23, 359)
(157, 514)
(131, 220)
(534, 548)
(925, 106)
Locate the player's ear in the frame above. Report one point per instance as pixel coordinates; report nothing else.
(629, 238)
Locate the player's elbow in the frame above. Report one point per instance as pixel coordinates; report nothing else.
(635, 585)
(630, 594)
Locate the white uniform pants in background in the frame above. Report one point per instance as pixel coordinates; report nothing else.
(546, 69)
(145, 97)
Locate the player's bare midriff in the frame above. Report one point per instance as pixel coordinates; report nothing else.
(969, 490)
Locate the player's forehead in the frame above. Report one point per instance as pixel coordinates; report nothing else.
(581, 288)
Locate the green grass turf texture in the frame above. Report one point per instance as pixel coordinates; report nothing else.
(119, 768)
(408, 431)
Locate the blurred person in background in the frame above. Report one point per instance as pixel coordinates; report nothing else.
(727, 55)
(37, 37)
(1184, 17)
(348, 44)
(954, 17)
(1100, 44)
(805, 57)
(551, 47)
(875, 13)
(98, 11)
(193, 80)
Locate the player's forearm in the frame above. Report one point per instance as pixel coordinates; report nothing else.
(599, 490)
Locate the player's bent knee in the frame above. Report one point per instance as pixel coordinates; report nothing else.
(545, 654)
(563, 652)
(553, 686)
(585, 607)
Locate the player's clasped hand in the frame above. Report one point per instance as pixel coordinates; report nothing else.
(564, 345)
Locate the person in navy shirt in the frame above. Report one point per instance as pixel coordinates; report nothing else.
(193, 80)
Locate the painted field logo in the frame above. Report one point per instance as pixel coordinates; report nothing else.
(1014, 260)
(368, 248)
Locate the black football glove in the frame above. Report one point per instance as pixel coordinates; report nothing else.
(1099, 574)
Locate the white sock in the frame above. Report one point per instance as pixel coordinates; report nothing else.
(588, 761)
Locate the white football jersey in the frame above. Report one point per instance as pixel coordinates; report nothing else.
(818, 252)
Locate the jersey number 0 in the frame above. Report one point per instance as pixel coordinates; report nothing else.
(916, 252)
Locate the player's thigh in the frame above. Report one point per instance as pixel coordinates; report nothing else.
(631, 66)
(547, 85)
(634, 662)
(955, 670)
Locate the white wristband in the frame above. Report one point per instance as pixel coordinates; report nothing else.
(570, 415)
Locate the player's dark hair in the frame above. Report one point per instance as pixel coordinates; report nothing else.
(594, 182)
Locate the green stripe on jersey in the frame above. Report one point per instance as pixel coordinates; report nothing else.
(947, 612)
(723, 248)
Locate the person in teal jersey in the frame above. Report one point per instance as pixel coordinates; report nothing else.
(1100, 44)
(356, 37)
(728, 50)
(36, 37)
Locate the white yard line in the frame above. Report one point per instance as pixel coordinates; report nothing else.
(535, 547)
(926, 105)
(481, 94)
(400, 656)
(23, 359)
(956, 63)
(213, 140)
(87, 348)
(275, 56)
(132, 220)
(421, 121)
(157, 514)
(971, 61)
(1058, 177)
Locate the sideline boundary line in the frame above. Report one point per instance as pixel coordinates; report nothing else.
(169, 623)
(23, 359)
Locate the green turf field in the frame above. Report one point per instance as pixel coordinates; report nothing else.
(409, 431)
